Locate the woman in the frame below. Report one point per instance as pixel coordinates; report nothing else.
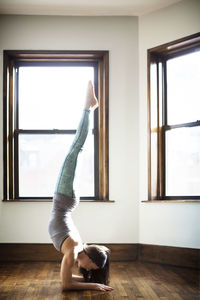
(92, 260)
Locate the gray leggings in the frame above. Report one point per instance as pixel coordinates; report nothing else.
(66, 177)
(64, 201)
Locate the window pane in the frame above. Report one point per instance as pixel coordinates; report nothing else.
(52, 97)
(183, 89)
(40, 160)
(183, 162)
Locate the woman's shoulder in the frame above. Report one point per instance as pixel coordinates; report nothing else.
(68, 245)
(71, 244)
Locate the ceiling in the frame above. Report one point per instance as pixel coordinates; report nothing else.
(83, 7)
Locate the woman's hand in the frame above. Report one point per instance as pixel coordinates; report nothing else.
(102, 287)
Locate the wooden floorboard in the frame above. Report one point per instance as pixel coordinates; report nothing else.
(130, 280)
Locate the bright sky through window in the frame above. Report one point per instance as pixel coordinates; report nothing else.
(183, 92)
(52, 98)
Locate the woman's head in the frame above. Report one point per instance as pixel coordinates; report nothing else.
(99, 257)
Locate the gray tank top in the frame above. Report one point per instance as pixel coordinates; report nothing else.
(61, 223)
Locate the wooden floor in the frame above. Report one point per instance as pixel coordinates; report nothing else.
(130, 280)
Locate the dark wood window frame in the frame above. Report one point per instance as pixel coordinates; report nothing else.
(157, 95)
(20, 57)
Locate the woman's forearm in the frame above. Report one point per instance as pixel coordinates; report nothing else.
(87, 286)
(75, 285)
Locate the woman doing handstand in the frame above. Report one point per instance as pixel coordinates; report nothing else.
(92, 260)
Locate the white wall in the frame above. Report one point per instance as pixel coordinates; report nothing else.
(164, 224)
(98, 222)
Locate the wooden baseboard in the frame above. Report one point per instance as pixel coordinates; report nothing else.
(28, 252)
(176, 256)
(46, 252)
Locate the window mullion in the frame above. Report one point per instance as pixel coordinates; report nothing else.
(46, 131)
(190, 124)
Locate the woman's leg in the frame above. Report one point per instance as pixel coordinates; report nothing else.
(66, 178)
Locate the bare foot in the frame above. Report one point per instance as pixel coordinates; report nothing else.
(91, 101)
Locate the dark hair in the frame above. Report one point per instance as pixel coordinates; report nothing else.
(100, 255)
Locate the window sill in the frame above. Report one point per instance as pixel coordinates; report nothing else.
(171, 201)
(50, 200)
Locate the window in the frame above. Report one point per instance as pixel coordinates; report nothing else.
(174, 120)
(43, 99)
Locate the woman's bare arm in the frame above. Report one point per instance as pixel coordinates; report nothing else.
(66, 270)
